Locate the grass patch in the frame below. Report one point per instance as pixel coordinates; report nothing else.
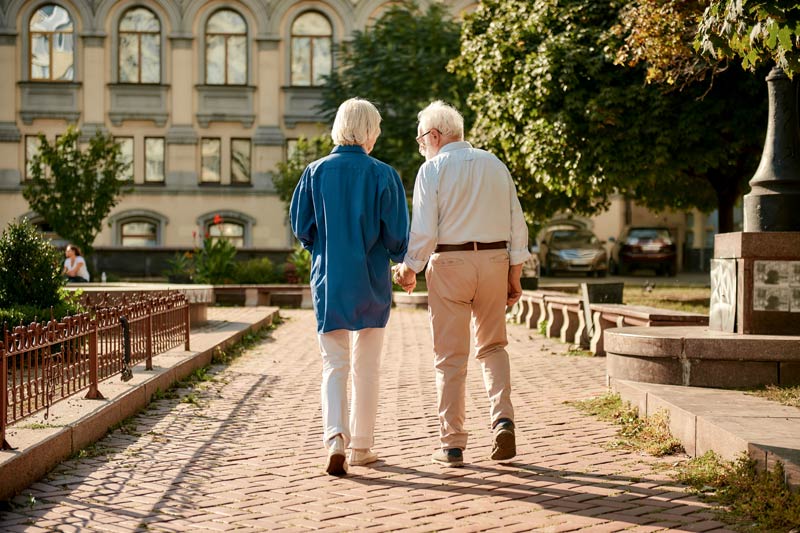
(649, 434)
(576, 351)
(250, 339)
(37, 425)
(692, 299)
(785, 395)
(753, 500)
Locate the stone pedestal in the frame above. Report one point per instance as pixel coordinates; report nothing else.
(755, 283)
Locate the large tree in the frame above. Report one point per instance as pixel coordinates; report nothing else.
(575, 127)
(399, 64)
(75, 189)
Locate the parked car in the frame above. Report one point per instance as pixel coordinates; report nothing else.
(650, 247)
(572, 250)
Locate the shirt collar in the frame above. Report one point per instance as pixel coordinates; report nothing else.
(348, 148)
(453, 146)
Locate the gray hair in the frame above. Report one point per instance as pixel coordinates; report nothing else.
(442, 117)
(357, 122)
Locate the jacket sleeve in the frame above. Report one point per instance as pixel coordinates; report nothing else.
(394, 217)
(301, 211)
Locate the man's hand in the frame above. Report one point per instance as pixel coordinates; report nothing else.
(405, 277)
(514, 285)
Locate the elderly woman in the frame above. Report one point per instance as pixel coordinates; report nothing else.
(349, 210)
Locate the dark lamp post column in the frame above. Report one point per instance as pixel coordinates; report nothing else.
(773, 203)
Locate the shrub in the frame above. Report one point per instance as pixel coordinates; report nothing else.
(68, 305)
(214, 262)
(181, 268)
(30, 268)
(301, 261)
(260, 271)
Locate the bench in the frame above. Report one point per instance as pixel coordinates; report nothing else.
(605, 316)
(535, 307)
(564, 318)
(281, 295)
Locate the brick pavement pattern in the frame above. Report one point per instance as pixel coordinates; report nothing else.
(244, 453)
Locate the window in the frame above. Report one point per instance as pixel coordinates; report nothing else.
(226, 49)
(211, 161)
(311, 49)
(32, 145)
(240, 161)
(126, 152)
(139, 47)
(291, 148)
(154, 160)
(138, 233)
(52, 44)
(232, 231)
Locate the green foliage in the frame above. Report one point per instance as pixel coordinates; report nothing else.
(288, 175)
(259, 271)
(574, 127)
(757, 32)
(68, 305)
(399, 64)
(301, 260)
(30, 268)
(181, 268)
(748, 494)
(214, 262)
(74, 189)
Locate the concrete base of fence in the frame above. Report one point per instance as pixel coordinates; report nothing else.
(74, 423)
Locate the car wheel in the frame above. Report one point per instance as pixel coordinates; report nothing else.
(623, 269)
(548, 269)
(670, 271)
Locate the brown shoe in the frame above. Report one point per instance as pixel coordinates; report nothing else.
(448, 457)
(505, 443)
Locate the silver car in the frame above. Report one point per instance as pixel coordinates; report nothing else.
(573, 250)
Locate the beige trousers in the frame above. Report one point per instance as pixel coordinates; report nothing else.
(463, 286)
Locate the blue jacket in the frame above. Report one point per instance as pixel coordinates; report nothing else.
(349, 210)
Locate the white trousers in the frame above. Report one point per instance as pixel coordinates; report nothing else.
(335, 347)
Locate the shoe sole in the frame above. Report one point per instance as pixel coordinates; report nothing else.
(362, 463)
(336, 465)
(454, 464)
(505, 446)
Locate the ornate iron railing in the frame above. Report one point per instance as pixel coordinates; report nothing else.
(43, 363)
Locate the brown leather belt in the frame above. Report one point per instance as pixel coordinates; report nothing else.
(470, 246)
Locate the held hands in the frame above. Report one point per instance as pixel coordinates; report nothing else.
(405, 277)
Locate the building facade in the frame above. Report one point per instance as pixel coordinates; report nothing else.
(204, 96)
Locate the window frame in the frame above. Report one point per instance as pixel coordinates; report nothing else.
(132, 169)
(249, 181)
(138, 34)
(27, 175)
(138, 220)
(312, 39)
(235, 222)
(50, 34)
(201, 144)
(225, 37)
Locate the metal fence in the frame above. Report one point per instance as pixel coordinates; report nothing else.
(43, 363)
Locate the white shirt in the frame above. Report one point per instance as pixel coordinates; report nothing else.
(70, 263)
(465, 194)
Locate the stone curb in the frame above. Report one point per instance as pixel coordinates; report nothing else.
(81, 422)
(726, 421)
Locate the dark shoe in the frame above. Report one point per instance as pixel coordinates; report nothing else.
(448, 457)
(505, 443)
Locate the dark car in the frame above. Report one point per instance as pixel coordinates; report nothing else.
(573, 250)
(650, 247)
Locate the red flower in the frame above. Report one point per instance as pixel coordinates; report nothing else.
(217, 219)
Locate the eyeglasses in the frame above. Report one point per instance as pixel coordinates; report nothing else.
(419, 137)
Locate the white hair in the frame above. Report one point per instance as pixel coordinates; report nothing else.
(357, 122)
(442, 117)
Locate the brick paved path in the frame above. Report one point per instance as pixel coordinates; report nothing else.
(244, 453)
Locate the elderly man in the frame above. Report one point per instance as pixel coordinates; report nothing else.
(468, 226)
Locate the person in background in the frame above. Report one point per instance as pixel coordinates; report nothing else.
(349, 210)
(75, 266)
(468, 227)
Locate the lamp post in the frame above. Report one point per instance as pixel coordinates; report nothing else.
(773, 203)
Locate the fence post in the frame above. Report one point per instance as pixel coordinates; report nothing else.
(4, 445)
(186, 323)
(94, 392)
(148, 334)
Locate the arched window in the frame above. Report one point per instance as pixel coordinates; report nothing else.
(139, 47)
(226, 49)
(312, 39)
(52, 44)
(138, 233)
(229, 230)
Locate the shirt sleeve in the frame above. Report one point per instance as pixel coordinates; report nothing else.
(518, 246)
(424, 219)
(301, 211)
(394, 218)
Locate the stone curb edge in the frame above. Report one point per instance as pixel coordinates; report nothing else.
(32, 462)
